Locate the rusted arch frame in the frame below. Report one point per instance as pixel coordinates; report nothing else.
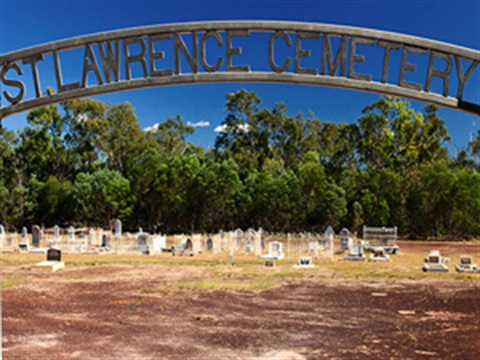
(266, 77)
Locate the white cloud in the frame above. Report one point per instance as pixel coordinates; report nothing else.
(241, 127)
(151, 128)
(199, 124)
(221, 129)
(80, 118)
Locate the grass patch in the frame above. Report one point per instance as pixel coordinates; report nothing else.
(211, 285)
(76, 277)
(9, 281)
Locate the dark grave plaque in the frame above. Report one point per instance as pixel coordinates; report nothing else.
(54, 254)
(105, 240)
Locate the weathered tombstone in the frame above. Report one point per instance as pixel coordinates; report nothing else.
(118, 228)
(355, 253)
(105, 241)
(23, 246)
(36, 236)
(141, 243)
(56, 232)
(239, 238)
(187, 245)
(209, 245)
(313, 246)
(24, 234)
(197, 243)
(71, 233)
(275, 248)
(345, 236)
(250, 238)
(256, 241)
(262, 237)
(91, 236)
(329, 234)
(275, 252)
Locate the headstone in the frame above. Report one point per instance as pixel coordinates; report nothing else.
(2, 235)
(270, 262)
(379, 255)
(329, 234)
(209, 245)
(239, 238)
(141, 243)
(275, 251)
(53, 263)
(275, 248)
(262, 237)
(118, 228)
(36, 236)
(197, 243)
(91, 236)
(466, 265)
(24, 234)
(187, 245)
(156, 243)
(23, 246)
(105, 241)
(434, 262)
(71, 233)
(54, 254)
(355, 253)
(250, 241)
(56, 232)
(304, 262)
(345, 237)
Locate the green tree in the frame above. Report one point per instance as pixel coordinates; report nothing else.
(102, 197)
(171, 136)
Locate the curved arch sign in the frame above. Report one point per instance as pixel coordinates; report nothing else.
(212, 52)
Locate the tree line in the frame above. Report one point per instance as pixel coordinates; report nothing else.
(88, 163)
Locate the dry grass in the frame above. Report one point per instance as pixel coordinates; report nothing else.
(250, 274)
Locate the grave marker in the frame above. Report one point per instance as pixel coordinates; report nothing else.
(434, 262)
(2, 234)
(54, 254)
(118, 228)
(304, 262)
(36, 236)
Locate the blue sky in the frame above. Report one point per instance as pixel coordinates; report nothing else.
(28, 23)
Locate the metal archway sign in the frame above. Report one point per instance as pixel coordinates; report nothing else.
(109, 57)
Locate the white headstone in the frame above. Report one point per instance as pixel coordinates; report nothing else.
(56, 232)
(71, 233)
(92, 236)
(118, 228)
(2, 234)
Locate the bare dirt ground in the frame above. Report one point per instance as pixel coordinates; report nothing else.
(139, 311)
